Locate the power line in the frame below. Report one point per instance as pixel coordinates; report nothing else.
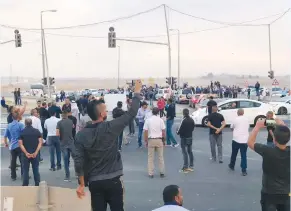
(227, 23)
(164, 35)
(281, 16)
(84, 25)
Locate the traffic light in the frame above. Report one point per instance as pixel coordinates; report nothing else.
(271, 74)
(111, 38)
(18, 42)
(52, 81)
(168, 80)
(44, 81)
(174, 80)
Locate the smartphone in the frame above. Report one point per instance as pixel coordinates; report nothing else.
(270, 123)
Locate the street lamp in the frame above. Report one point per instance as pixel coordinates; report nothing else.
(178, 54)
(42, 49)
(118, 68)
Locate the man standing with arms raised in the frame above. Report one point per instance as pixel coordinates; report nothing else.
(97, 159)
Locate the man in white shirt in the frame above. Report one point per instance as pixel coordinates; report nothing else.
(173, 199)
(240, 127)
(53, 140)
(154, 135)
(36, 123)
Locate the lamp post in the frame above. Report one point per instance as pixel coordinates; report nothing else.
(178, 54)
(43, 50)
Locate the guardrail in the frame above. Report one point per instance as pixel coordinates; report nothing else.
(42, 198)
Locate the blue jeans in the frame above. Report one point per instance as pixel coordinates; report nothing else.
(119, 140)
(140, 131)
(55, 146)
(170, 136)
(25, 162)
(243, 153)
(270, 144)
(66, 157)
(151, 102)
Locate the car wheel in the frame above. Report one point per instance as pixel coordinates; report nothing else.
(259, 117)
(282, 111)
(188, 96)
(205, 121)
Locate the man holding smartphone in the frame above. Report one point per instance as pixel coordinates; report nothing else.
(270, 123)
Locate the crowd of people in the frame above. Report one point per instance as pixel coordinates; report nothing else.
(80, 130)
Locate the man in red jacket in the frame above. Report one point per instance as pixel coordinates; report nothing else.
(161, 105)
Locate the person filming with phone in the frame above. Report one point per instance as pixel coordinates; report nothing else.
(270, 123)
(275, 193)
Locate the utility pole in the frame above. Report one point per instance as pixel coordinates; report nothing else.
(169, 44)
(44, 52)
(118, 68)
(42, 45)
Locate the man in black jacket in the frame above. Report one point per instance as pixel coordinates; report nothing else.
(97, 159)
(186, 131)
(117, 112)
(171, 114)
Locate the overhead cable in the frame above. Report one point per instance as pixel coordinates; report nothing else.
(84, 25)
(281, 16)
(228, 23)
(106, 21)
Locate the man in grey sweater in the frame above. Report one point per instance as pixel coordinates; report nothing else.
(97, 159)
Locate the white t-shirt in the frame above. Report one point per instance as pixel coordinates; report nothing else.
(36, 123)
(240, 127)
(154, 125)
(171, 208)
(51, 126)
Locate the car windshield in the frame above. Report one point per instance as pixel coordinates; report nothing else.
(186, 91)
(274, 89)
(166, 91)
(282, 99)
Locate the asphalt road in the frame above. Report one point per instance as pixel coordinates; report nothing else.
(210, 187)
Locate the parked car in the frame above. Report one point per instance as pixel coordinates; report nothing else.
(253, 110)
(282, 106)
(197, 98)
(183, 96)
(163, 93)
(203, 102)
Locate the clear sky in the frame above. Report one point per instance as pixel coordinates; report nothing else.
(241, 49)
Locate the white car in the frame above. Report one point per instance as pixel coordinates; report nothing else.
(162, 93)
(253, 110)
(282, 106)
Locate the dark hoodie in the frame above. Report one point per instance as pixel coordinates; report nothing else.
(96, 155)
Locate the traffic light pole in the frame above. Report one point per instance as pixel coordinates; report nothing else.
(270, 48)
(270, 53)
(47, 69)
(42, 46)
